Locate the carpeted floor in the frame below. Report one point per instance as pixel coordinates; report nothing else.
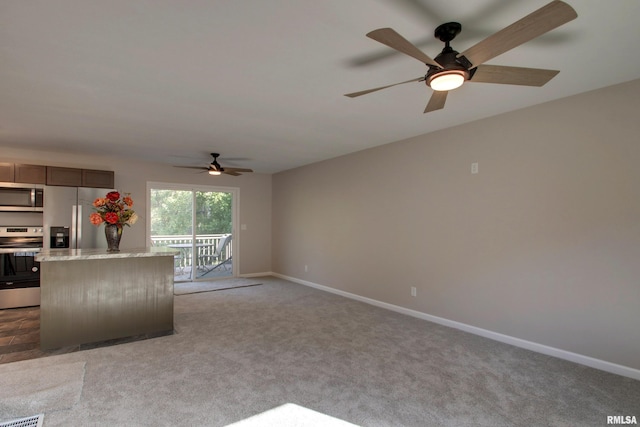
(244, 351)
(31, 394)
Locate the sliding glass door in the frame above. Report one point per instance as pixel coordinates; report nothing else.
(198, 222)
(213, 226)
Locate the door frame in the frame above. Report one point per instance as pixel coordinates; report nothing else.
(235, 213)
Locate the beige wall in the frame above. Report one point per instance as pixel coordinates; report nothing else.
(132, 177)
(543, 244)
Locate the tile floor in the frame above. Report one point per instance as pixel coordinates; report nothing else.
(20, 335)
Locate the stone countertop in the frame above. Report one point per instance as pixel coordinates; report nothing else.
(84, 254)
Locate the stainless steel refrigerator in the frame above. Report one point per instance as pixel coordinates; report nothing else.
(66, 218)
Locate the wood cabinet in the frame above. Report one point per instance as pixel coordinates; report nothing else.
(97, 178)
(20, 173)
(32, 174)
(6, 172)
(54, 175)
(68, 177)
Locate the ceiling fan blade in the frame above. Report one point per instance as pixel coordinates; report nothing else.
(237, 170)
(437, 100)
(531, 26)
(512, 75)
(385, 54)
(389, 37)
(192, 167)
(232, 173)
(364, 92)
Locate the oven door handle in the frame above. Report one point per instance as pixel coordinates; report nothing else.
(18, 250)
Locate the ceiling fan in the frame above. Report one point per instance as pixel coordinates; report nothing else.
(450, 69)
(214, 168)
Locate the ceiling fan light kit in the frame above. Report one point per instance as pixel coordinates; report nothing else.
(447, 80)
(450, 69)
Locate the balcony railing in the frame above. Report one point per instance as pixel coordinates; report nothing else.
(206, 245)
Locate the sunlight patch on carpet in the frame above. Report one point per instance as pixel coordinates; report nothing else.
(291, 415)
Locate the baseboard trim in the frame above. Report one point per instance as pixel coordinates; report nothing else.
(268, 273)
(591, 362)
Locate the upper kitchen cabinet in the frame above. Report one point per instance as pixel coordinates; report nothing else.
(6, 172)
(72, 177)
(97, 178)
(29, 174)
(32, 174)
(69, 177)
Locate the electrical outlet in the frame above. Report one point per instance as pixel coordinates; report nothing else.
(474, 168)
(306, 268)
(414, 291)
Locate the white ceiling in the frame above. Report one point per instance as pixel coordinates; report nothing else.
(263, 81)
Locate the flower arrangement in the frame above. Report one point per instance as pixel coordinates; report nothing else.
(113, 210)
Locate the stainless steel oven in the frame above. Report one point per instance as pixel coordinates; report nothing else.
(19, 271)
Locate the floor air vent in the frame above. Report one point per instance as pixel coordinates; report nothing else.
(34, 421)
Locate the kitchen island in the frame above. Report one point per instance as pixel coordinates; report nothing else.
(92, 296)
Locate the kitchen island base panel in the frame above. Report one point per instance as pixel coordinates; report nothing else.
(95, 300)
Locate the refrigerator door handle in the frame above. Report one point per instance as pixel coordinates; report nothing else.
(78, 223)
(73, 244)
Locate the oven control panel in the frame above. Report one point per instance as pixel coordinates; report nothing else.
(21, 231)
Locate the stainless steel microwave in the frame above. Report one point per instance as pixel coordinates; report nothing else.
(21, 197)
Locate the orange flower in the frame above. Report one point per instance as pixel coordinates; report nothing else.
(100, 201)
(95, 218)
(128, 201)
